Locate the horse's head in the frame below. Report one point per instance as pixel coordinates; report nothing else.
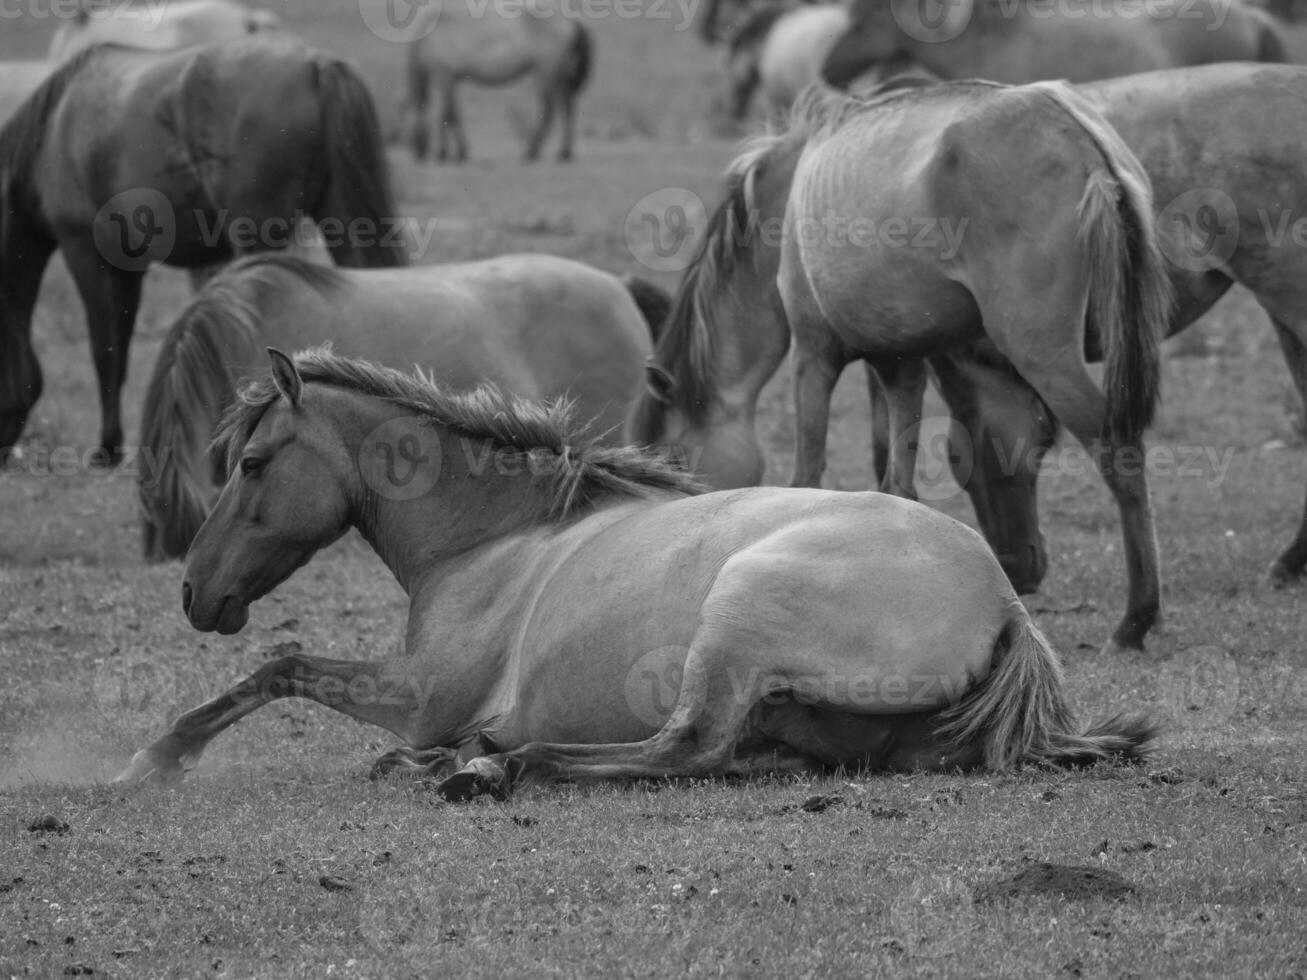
(717, 444)
(1010, 430)
(286, 497)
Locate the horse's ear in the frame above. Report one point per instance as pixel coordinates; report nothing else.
(286, 376)
(661, 385)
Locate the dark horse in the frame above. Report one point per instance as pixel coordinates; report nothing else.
(126, 158)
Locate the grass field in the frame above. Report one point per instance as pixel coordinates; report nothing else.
(278, 858)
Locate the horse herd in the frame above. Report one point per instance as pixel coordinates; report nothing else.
(797, 628)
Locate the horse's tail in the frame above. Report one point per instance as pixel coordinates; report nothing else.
(1019, 714)
(358, 174)
(581, 59)
(655, 303)
(1130, 289)
(194, 381)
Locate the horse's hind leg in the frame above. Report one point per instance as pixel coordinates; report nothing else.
(111, 297)
(880, 431)
(567, 109)
(362, 690)
(1288, 568)
(904, 388)
(815, 374)
(451, 125)
(548, 94)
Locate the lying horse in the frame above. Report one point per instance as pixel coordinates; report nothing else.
(457, 41)
(1223, 145)
(1033, 219)
(124, 158)
(1020, 41)
(805, 629)
(158, 27)
(538, 326)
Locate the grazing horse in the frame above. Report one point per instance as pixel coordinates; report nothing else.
(1012, 213)
(780, 50)
(158, 27)
(1019, 41)
(538, 326)
(124, 158)
(780, 628)
(1223, 146)
(455, 41)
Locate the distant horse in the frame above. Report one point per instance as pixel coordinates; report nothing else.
(1022, 41)
(781, 50)
(583, 614)
(1223, 145)
(1012, 213)
(457, 42)
(18, 80)
(158, 27)
(125, 158)
(538, 326)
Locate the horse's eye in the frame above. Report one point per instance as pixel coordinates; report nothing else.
(251, 465)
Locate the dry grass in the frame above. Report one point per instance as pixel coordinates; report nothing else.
(223, 877)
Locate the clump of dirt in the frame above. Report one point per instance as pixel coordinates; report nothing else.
(1068, 880)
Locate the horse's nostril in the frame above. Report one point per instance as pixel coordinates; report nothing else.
(186, 598)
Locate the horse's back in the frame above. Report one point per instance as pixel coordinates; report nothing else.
(459, 39)
(177, 25)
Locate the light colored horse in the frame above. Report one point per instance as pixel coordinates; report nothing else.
(537, 326)
(1224, 147)
(1012, 213)
(122, 159)
(577, 612)
(18, 80)
(459, 40)
(158, 27)
(1020, 41)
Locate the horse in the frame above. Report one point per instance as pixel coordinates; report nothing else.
(1029, 218)
(781, 50)
(124, 158)
(1020, 41)
(1234, 131)
(18, 80)
(455, 41)
(790, 629)
(157, 27)
(538, 326)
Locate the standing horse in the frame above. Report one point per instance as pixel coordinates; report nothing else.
(1021, 41)
(455, 41)
(782, 51)
(1012, 213)
(804, 628)
(1223, 146)
(125, 158)
(538, 326)
(157, 27)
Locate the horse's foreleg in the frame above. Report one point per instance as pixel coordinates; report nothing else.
(546, 119)
(904, 389)
(815, 375)
(880, 433)
(567, 107)
(111, 297)
(368, 691)
(1288, 568)
(451, 124)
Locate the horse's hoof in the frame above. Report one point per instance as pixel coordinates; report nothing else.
(422, 764)
(1282, 576)
(480, 777)
(149, 766)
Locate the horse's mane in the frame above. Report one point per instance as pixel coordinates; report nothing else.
(583, 471)
(23, 135)
(262, 269)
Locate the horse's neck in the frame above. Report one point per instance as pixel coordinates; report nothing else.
(452, 493)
